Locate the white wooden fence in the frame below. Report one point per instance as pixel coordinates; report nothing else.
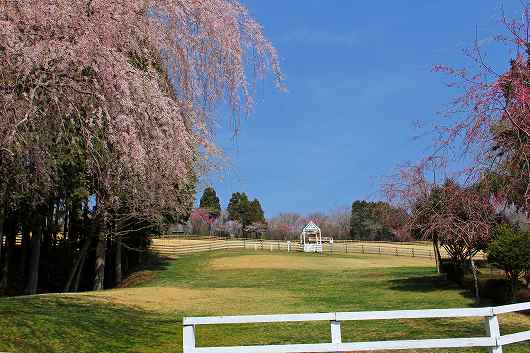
(493, 340)
(165, 247)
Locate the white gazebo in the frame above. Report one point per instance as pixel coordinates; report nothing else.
(311, 238)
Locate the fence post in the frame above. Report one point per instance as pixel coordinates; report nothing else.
(335, 332)
(346, 246)
(188, 338)
(412, 252)
(362, 248)
(397, 252)
(493, 330)
(271, 246)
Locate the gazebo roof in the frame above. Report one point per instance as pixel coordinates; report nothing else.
(311, 228)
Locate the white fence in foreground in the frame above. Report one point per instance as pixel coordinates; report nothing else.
(492, 340)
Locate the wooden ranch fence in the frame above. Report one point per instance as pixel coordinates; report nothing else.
(171, 247)
(492, 339)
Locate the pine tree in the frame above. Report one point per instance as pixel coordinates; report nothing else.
(359, 214)
(256, 213)
(244, 210)
(239, 209)
(210, 202)
(234, 207)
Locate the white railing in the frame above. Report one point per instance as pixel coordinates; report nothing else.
(492, 340)
(165, 247)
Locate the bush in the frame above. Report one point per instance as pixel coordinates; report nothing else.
(498, 290)
(453, 272)
(510, 251)
(523, 295)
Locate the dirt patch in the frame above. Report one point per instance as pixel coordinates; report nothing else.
(316, 262)
(137, 278)
(213, 301)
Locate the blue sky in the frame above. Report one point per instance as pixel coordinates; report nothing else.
(358, 76)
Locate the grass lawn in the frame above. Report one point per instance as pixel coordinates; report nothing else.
(147, 318)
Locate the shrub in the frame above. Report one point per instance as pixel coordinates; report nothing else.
(510, 251)
(453, 272)
(498, 290)
(523, 295)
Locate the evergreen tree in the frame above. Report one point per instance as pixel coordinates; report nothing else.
(244, 210)
(256, 213)
(359, 214)
(234, 207)
(210, 202)
(239, 209)
(367, 220)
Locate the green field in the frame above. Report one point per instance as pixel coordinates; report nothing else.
(147, 318)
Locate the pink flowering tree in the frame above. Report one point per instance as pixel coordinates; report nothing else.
(233, 228)
(489, 122)
(132, 86)
(491, 119)
(201, 221)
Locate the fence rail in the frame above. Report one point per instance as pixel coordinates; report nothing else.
(167, 247)
(492, 340)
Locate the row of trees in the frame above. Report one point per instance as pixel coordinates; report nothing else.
(365, 221)
(106, 113)
(486, 205)
(242, 216)
(377, 221)
(335, 223)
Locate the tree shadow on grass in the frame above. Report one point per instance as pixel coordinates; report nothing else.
(55, 324)
(425, 284)
(155, 262)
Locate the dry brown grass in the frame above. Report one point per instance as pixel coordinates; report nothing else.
(213, 301)
(137, 278)
(317, 262)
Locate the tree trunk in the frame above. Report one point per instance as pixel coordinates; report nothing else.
(33, 273)
(10, 244)
(3, 212)
(78, 267)
(117, 263)
(2, 248)
(5, 266)
(82, 256)
(475, 279)
(21, 277)
(99, 274)
(437, 254)
(93, 230)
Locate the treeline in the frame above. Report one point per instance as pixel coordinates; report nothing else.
(377, 221)
(365, 220)
(289, 225)
(59, 248)
(105, 127)
(242, 217)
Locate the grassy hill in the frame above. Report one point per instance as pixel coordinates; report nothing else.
(147, 317)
